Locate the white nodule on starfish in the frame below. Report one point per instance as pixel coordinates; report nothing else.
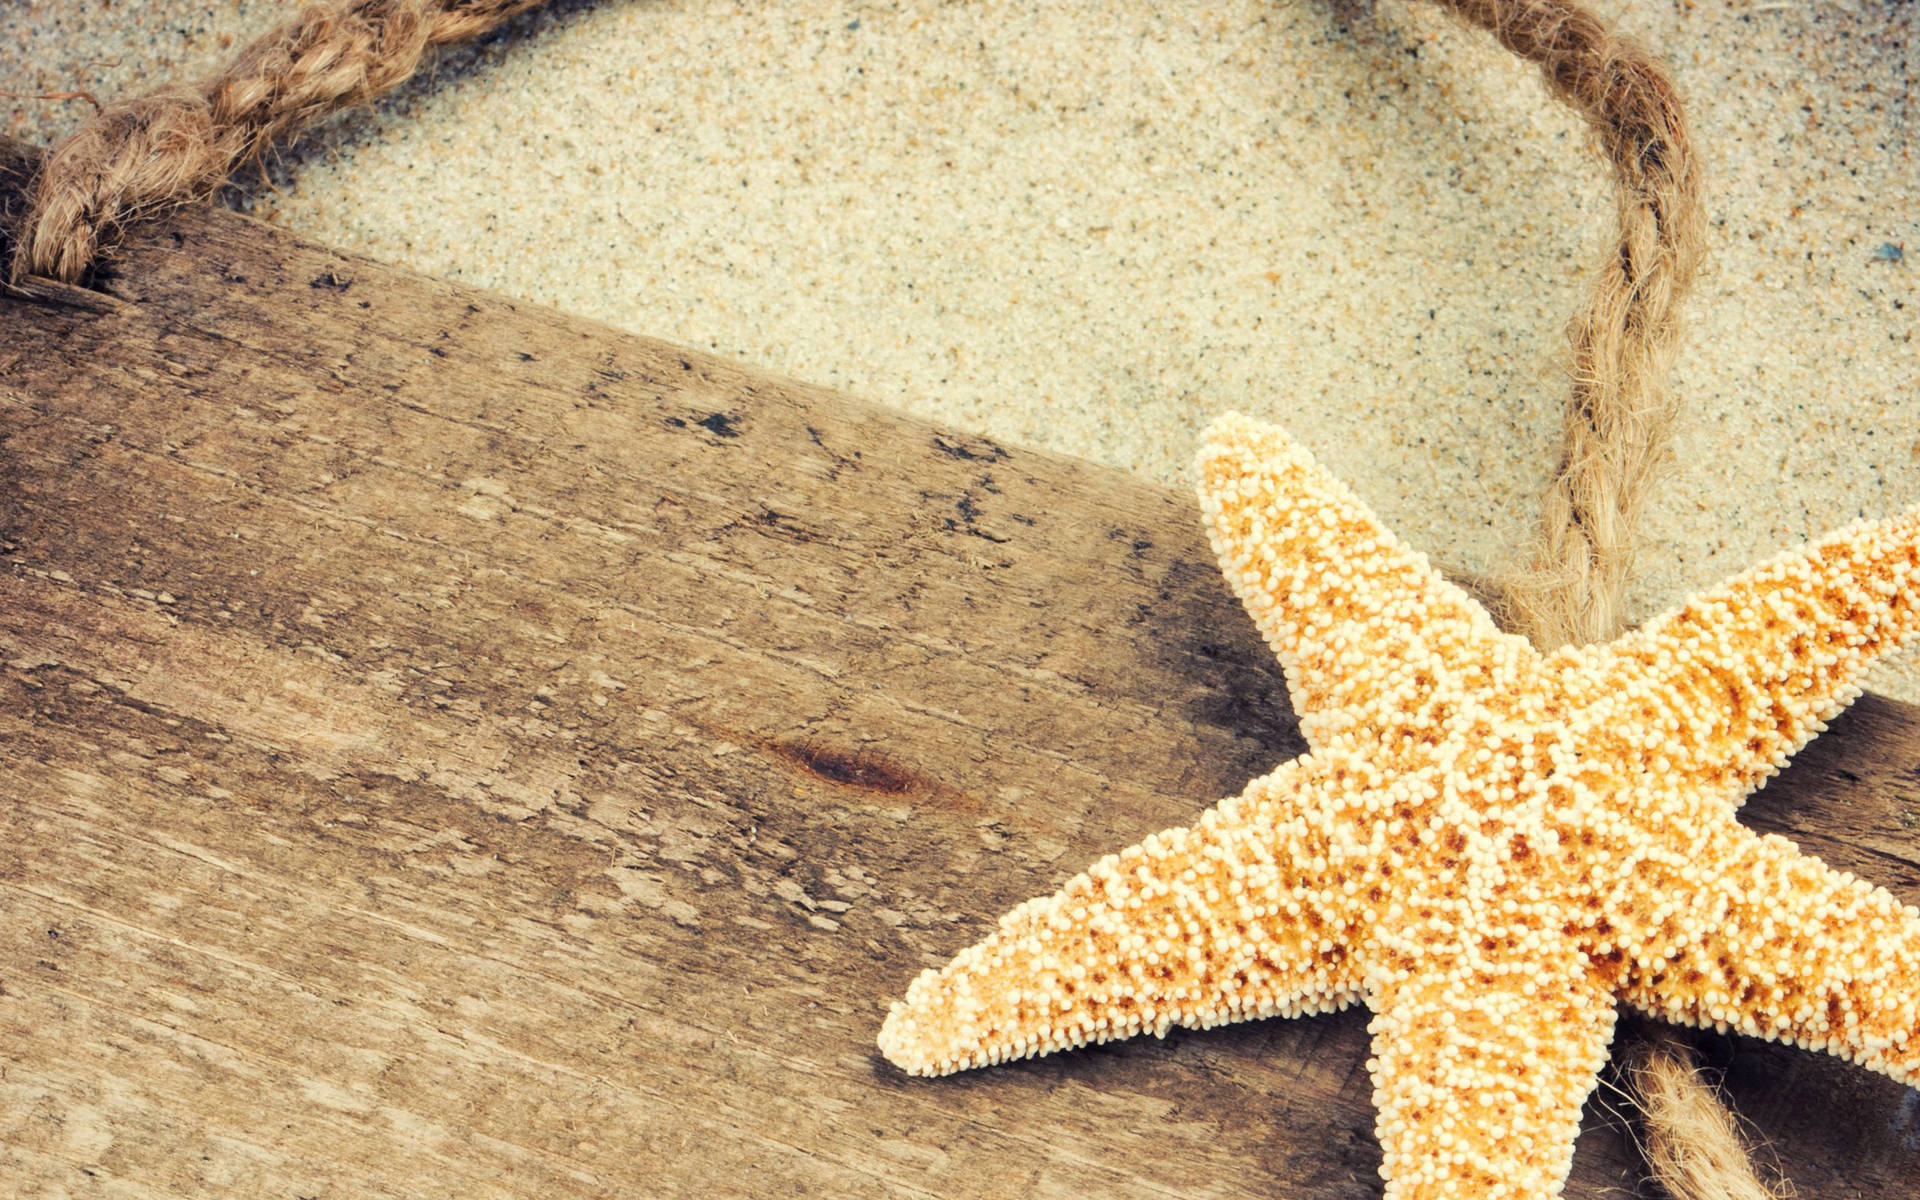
(1488, 847)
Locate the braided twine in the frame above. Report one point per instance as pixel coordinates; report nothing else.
(144, 156)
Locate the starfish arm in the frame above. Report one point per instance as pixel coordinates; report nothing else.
(1779, 945)
(1357, 619)
(1728, 686)
(1220, 921)
(1480, 1070)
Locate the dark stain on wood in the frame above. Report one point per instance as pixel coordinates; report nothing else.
(977, 449)
(720, 424)
(862, 768)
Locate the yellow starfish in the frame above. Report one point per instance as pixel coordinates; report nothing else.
(1486, 846)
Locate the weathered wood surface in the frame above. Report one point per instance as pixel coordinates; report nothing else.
(450, 748)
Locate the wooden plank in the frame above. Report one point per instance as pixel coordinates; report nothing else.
(451, 747)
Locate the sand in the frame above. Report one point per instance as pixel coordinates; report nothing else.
(1089, 225)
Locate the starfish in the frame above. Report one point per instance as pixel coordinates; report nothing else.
(1489, 847)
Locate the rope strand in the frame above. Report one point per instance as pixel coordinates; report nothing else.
(148, 155)
(1620, 414)
(1692, 1144)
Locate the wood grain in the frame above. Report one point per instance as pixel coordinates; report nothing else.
(451, 748)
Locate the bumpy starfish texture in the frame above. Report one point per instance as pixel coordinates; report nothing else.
(1488, 847)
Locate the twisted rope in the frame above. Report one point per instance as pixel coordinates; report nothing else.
(145, 156)
(1692, 1143)
(148, 155)
(1620, 413)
